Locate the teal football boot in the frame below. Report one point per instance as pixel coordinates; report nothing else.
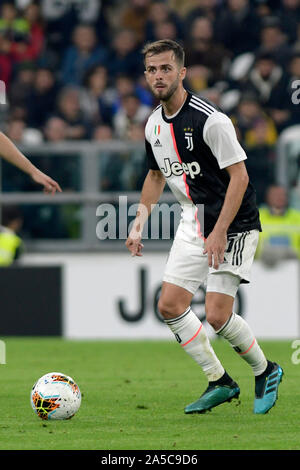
(266, 390)
(213, 396)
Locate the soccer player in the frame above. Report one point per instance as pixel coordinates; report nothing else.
(193, 147)
(10, 153)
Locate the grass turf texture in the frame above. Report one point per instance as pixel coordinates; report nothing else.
(134, 394)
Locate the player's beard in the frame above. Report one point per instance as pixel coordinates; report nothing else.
(165, 94)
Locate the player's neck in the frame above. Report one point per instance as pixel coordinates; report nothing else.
(175, 102)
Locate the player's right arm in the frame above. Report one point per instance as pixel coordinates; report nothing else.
(152, 189)
(10, 153)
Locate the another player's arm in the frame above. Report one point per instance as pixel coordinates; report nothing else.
(215, 244)
(10, 153)
(152, 189)
(220, 136)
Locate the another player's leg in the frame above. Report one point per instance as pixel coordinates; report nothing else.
(235, 329)
(174, 305)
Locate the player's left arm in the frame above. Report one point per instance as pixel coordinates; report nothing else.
(216, 242)
(220, 136)
(10, 153)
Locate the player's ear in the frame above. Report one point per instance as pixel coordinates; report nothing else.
(182, 73)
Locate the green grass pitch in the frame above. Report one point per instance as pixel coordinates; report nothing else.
(134, 394)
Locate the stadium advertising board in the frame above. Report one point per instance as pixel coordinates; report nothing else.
(115, 296)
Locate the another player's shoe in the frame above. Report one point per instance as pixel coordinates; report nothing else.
(266, 388)
(214, 395)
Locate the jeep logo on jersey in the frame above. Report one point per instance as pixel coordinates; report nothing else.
(177, 168)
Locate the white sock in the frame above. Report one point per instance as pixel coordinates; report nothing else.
(191, 336)
(241, 338)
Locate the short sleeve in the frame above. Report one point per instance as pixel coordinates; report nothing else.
(219, 134)
(152, 163)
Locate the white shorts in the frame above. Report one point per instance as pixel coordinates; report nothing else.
(187, 266)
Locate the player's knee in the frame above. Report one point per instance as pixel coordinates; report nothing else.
(218, 308)
(168, 308)
(216, 315)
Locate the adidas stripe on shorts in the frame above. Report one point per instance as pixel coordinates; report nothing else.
(187, 266)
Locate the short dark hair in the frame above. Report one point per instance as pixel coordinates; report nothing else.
(164, 45)
(264, 55)
(10, 214)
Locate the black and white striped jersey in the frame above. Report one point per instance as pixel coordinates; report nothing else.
(192, 149)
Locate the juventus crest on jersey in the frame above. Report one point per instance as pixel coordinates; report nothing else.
(192, 149)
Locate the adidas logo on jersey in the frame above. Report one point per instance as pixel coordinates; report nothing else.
(176, 168)
(157, 143)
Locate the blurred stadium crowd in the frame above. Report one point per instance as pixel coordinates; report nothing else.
(73, 69)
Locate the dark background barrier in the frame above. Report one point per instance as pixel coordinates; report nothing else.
(31, 301)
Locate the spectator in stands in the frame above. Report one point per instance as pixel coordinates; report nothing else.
(247, 115)
(285, 111)
(33, 15)
(260, 158)
(110, 164)
(289, 15)
(125, 85)
(42, 97)
(82, 55)
(68, 109)
(266, 77)
(95, 96)
(161, 13)
(131, 111)
(274, 41)
(206, 8)
(124, 57)
(136, 132)
(142, 91)
(202, 49)
(11, 245)
(237, 27)
(213, 95)
(22, 85)
(263, 9)
(6, 61)
(103, 133)
(165, 29)
(280, 238)
(134, 171)
(296, 46)
(61, 17)
(55, 129)
(19, 133)
(17, 112)
(12, 27)
(135, 16)
(15, 130)
(60, 22)
(29, 48)
(21, 37)
(197, 78)
(258, 135)
(294, 78)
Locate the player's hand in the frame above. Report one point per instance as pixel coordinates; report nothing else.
(214, 247)
(134, 244)
(50, 186)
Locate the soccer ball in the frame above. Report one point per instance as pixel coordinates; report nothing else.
(55, 396)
